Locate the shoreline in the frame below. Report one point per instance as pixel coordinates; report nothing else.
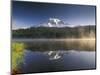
(51, 39)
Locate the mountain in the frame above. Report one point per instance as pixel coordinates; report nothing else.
(54, 22)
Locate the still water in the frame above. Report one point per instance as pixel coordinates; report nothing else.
(50, 56)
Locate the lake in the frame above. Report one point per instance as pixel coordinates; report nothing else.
(51, 55)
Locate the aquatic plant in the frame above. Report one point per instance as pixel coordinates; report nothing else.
(17, 55)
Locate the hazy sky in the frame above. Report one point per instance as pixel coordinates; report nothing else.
(26, 14)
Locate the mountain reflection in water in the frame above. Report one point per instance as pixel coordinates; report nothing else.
(54, 55)
(35, 61)
(58, 55)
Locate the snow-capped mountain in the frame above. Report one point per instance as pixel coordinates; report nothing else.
(51, 22)
(54, 22)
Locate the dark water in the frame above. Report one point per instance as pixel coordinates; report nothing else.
(73, 60)
(50, 56)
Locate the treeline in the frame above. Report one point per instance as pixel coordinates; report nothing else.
(53, 32)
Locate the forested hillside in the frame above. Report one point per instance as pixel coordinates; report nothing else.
(54, 32)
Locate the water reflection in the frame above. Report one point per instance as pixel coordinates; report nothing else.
(54, 55)
(50, 56)
(43, 45)
(36, 61)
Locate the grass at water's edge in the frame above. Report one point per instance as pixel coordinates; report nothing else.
(17, 56)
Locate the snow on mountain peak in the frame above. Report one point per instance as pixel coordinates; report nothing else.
(53, 22)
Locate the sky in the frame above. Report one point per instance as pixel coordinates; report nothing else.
(27, 14)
